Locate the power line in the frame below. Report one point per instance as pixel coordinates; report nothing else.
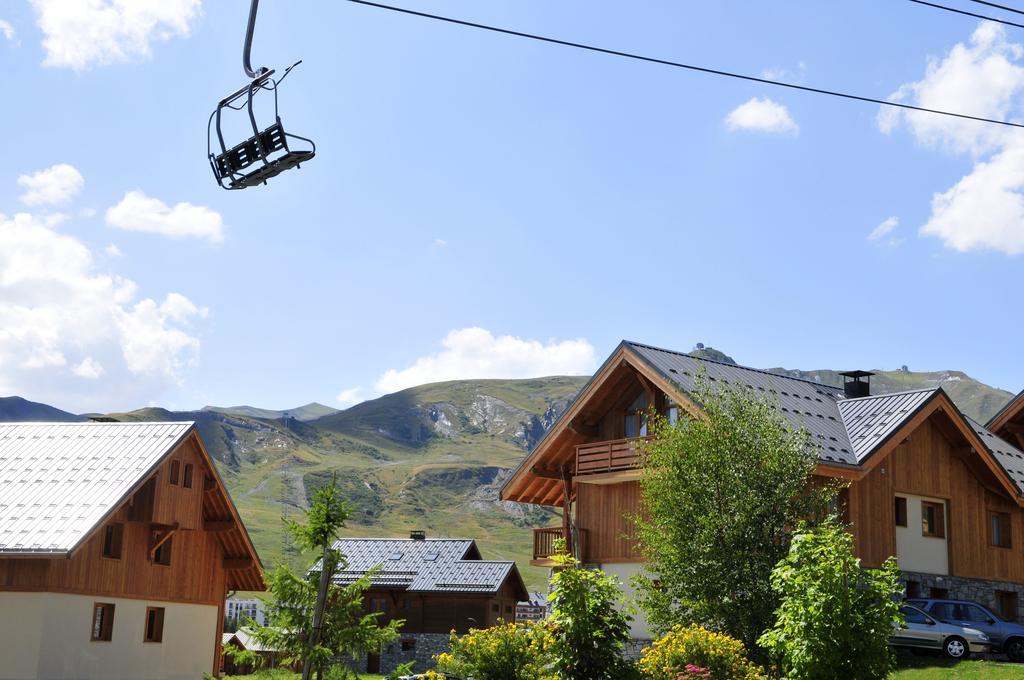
(966, 13)
(676, 64)
(998, 6)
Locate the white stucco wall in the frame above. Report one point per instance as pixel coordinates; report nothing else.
(624, 572)
(916, 552)
(46, 636)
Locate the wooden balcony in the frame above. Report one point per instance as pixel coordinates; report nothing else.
(611, 456)
(544, 544)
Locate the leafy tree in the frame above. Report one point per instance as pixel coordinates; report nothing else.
(243, 658)
(508, 651)
(589, 627)
(313, 619)
(721, 491)
(835, 618)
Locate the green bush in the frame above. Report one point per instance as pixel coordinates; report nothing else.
(697, 648)
(508, 651)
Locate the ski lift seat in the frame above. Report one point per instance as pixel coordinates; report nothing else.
(273, 139)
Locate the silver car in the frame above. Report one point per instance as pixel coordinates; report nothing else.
(922, 632)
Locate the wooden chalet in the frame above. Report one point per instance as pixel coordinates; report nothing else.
(928, 485)
(436, 585)
(118, 544)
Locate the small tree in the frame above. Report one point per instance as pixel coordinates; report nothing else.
(589, 628)
(508, 651)
(721, 491)
(835, 618)
(314, 619)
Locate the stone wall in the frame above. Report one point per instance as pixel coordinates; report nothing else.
(419, 647)
(957, 588)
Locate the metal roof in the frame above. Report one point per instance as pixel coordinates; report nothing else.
(59, 480)
(871, 420)
(1009, 457)
(427, 565)
(803, 403)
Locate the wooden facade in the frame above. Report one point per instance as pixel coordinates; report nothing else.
(444, 612)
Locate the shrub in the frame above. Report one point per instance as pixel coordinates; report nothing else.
(687, 652)
(835, 618)
(508, 651)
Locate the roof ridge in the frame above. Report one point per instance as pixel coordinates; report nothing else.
(890, 394)
(733, 365)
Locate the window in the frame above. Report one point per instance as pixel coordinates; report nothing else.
(1007, 601)
(186, 479)
(379, 604)
(636, 418)
(973, 614)
(671, 411)
(495, 608)
(914, 615)
(901, 511)
(408, 645)
(175, 471)
(933, 520)
(508, 609)
(113, 535)
(162, 556)
(913, 589)
(938, 593)
(944, 611)
(102, 622)
(999, 529)
(154, 624)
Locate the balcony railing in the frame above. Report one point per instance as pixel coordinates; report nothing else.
(544, 541)
(611, 456)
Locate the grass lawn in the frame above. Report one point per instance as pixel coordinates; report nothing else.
(926, 668)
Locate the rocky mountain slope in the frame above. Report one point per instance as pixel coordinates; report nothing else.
(431, 457)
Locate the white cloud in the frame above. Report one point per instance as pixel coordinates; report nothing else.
(88, 368)
(780, 73)
(87, 212)
(984, 210)
(476, 353)
(884, 228)
(440, 242)
(352, 395)
(762, 115)
(113, 251)
(79, 34)
(139, 212)
(62, 320)
(56, 185)
(7, 31)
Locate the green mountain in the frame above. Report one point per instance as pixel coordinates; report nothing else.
(18, 410)
(310, 411)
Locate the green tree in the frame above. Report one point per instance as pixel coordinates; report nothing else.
(835, 618)
(314, 619)
(721, 491)
(588, 625)
(507, 651)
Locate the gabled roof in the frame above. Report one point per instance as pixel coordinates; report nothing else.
(846, 432)
(247, 640)
(425, 565)
(1007, 413)
(58, 481)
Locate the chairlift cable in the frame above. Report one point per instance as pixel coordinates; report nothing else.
(681, 65)
(966, 13)
(996, 5)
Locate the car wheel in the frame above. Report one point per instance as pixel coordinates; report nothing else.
(955, 648)
(1015, 650)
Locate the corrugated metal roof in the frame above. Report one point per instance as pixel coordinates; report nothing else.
(428, 565)
(803, 403)
(1009, 457)
(59, 480)
(871, 420)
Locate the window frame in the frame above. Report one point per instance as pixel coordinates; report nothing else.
(187, 473)
(174, 472)
(155, 634)
(1004, 531)
(113, 538)
(163, 554)
(939, 515)
(900, 507)
(106, 629)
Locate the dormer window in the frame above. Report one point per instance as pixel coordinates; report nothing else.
(395, 556)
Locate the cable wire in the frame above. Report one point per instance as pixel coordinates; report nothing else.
(998, 6)
(676, 64)
(966, 13)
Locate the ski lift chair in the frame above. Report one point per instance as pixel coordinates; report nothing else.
(268, 149)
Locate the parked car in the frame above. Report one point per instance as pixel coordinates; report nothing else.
(1007, 637)
(923, 632)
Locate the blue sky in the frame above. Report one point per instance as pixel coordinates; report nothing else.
(485, 206)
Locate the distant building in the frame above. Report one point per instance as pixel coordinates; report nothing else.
(533, 609)
(436, 585)
(237, 611)
(118, 543)
(243, 639)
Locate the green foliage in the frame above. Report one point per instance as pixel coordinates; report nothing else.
(720, 492)
(698, 648)
(589, 628)
(243, 658)
(508, 651)
(835, 618)
(344, 627)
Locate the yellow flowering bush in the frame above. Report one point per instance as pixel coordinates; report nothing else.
(684, 651)
(508, 651)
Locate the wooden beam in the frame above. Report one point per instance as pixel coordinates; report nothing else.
(166, 531)
(219, 526)
(237, 563)
(583, 428)
(1014, 428)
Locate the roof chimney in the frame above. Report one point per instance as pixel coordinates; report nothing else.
(418, 535)
(857, 384)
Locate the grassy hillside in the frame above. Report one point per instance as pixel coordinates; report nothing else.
(18, 410)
